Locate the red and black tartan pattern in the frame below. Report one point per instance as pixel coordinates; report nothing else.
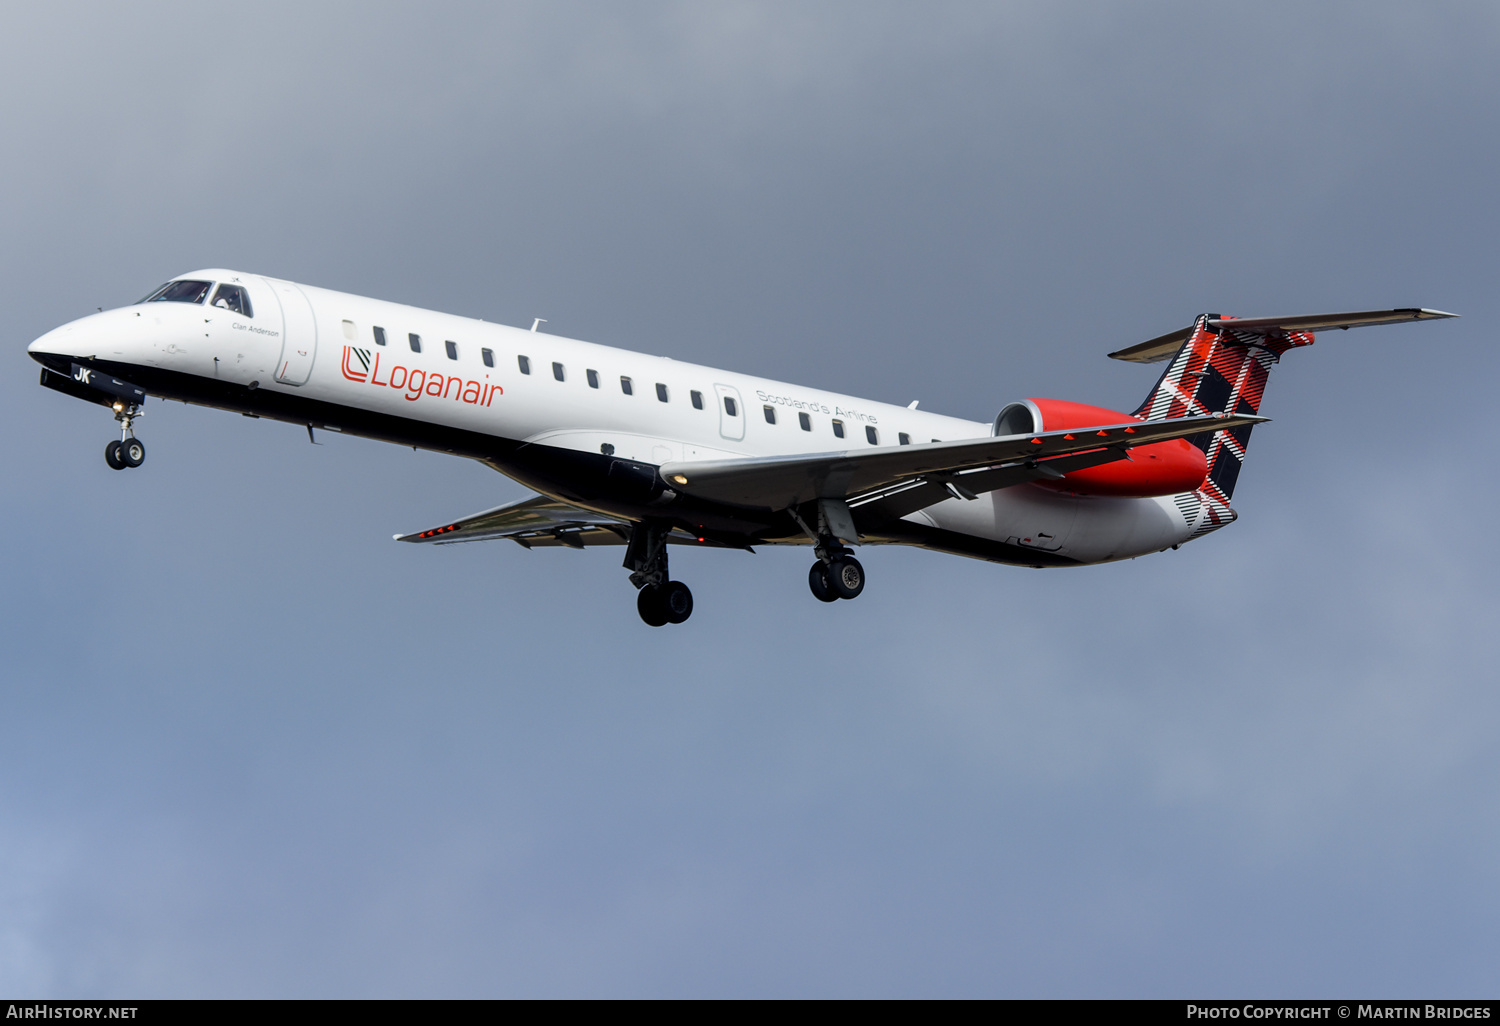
(1218, 372)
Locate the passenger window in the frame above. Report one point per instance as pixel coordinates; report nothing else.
(872, 435)
(349, 331)
(415, 341)
(625, 385)
(180, 292)
(697, 398)
(557, 371)
(452, 348)
(524, 362)
(904, 438)
(236, 299)
(838, 429)
(770, 412)
(593, 377)
(730, 407)
(805, 421)
(379, 336)
(661, 391)
(488, 356)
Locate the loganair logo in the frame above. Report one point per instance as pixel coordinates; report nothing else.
(362, 366)
(362, 357)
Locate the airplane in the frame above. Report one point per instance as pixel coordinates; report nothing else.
(645, 452)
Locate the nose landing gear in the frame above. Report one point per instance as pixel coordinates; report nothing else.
(129, 451)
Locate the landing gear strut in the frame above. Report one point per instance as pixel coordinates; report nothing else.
(660, 601)
(129, 451)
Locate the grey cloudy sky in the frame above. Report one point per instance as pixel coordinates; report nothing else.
(254, 748)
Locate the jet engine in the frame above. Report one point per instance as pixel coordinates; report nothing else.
(1162, 468)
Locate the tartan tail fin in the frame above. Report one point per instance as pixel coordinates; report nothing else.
(1221, 365)
(1220, 370)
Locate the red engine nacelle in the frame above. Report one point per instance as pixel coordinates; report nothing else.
(1161, 468)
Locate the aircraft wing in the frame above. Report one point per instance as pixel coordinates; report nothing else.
(971, 466)
(537, 521)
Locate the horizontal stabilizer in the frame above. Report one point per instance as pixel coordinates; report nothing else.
(1164, 346)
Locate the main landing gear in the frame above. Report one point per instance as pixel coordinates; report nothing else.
(660, 601)
(841, 577)
(129, 451)
(661, 604)
(837, 574)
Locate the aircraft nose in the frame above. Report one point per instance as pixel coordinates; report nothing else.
(82, 338)
(55, 346)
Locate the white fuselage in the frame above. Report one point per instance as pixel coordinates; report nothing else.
(472, 376)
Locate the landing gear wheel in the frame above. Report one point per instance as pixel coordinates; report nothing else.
(676, 601)
(817, 580)
(112, 456)
(649, 604)
(846, 577)
(132, 452)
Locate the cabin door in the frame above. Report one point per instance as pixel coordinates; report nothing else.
(299, 337)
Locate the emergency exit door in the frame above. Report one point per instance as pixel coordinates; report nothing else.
(731, 413)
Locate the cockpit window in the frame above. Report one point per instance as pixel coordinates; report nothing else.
(232, 297)
(180, 292)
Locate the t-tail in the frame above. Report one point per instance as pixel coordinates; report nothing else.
(1220, 366)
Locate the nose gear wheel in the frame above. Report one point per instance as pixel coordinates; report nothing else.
(132, 452)
(129, 451)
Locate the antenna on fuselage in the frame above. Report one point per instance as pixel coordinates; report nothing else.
(539, 320)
